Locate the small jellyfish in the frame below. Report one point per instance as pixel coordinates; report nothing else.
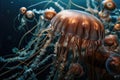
(19, 19)
(23, 10)
(109, 5)
(112, 64)
(49, 14)
(29, 14)
(111, 41)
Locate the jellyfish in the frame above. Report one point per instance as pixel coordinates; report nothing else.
(108, 7)
(24, 19)
(23, 10)
(79, 33)
(111, 41)
(29, 15)
(109, 4)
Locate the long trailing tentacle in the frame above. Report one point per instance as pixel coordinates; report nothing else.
(48, 2)
(41, 51)
(38, 4)
(26, 34)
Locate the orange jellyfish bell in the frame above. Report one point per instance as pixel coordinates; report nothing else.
(23, 10)
(29, 14)
(49, 14)
(109, 4)
(78, 26)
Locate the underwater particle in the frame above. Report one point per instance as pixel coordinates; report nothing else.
(9, 37)
(29, 14)
(12, 2)
(109, 4)
(15, 50)
(49, 14)
(23, 10)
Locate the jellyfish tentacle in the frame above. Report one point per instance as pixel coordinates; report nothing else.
(17, 17)
(79, 46)
(33, 67)
(77, 5)
(37, 4)
(26, 34)
(42, 50)
(67, 47)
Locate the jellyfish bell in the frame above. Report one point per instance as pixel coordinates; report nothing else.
(49, 14)
(80, 33)
(29, 16)
(78, 29)
(65, 20)
(111, 41)
(109, 5)
(23, 10)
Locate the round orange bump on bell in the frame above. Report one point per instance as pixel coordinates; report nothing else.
(49, 14)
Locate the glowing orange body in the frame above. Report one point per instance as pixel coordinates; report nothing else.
(79, 24)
